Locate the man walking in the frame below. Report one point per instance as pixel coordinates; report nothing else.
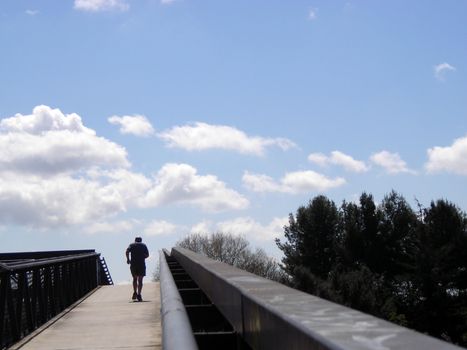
(136, 253)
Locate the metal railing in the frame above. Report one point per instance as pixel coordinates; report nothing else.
(176, 329)
(34, 287)
(105, 279)
(269, 315)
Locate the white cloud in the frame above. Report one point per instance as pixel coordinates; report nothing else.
(312, 14)
(341, 159)
(391, 162)
(50, 142)
(260, 183)
(174, 183)
(347, 162)
(319, 159)
(55, 200)
(48, 162)
(43, 120)
(252, 229)
(245, 226)
(202, 136)
(97, 195)
(167, 2)
(202, 227)
(441, 69)
(109, 227)
(159, 228)
(306, 181)
(130, 186)
(137, 125)
(58, 152)
(293, 182)
(32, 12)
(180, 183)
(101, 5)
(54, 171)
(451, 159)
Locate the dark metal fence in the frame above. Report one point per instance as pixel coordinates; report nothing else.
(34, 287)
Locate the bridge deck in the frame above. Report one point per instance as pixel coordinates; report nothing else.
(107, 319)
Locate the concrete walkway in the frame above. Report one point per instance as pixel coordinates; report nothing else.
(107, 319)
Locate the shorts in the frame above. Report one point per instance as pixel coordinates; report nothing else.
(138, 270)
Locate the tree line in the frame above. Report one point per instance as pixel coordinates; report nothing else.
(234, 250)
(407, 266)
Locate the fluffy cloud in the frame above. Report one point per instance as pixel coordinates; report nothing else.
(54, 171)
(61, 200)
(202, 136)
(129, 186)
(245, 226)
(101, 5)
(261, 183)
(204, 226)
(294, 182)
(44, 120)
(391, 162)
(159, 228)
(49, 142)
(306, 181)
(452, 159)
(55, 200)
(110, 227)
(137, 125)
(341, 159)
(441, 69)
(180, 183)
(254, 230)
(319, 159)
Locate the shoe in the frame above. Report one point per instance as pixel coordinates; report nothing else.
(134, 296)
(139, 297)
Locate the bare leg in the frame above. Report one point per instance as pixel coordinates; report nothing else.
(135, 283)
(140, 284)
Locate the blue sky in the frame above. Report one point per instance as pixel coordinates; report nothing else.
(161, 118)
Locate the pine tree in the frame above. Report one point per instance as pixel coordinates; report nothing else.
(441, 277)
(310, 239)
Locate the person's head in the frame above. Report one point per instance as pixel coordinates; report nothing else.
(138, 239)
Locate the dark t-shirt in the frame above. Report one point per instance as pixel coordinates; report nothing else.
(138, 252)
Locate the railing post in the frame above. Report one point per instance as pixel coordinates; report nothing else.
(27, 301)
(19, 303)
(58, 279)
(34, 300)
(38, 291)
(3, 288)
(96, 272)
(49, 292)
(11, 310)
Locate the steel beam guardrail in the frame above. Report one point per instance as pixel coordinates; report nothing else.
(176, 329)
(269, 315)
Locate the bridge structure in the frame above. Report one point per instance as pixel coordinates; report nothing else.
(66, 300)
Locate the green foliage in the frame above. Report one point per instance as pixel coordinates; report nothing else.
(409, 268)
(310, 237)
